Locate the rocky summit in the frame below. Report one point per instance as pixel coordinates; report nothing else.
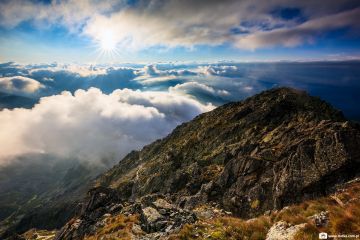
(243, 159)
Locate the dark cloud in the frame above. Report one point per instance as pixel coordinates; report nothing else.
(306, 32)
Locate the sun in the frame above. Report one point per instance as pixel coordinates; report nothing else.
(107, 41)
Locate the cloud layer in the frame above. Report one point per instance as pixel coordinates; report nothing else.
(91, 125)
(108, 111)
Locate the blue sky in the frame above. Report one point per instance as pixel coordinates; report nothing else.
(153, 31)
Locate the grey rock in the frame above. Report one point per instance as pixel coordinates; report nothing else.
(163, 204)
(162, 211)
(161, 225)
(204, 214)
(321, 219)
(136, 229)
(151, 215)
(284, 231)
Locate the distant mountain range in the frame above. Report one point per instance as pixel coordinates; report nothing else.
(42, 191)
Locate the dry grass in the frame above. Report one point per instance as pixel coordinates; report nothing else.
(310, 232)
(35, 234)
(116, 227)
(224, 228)
(343, 219)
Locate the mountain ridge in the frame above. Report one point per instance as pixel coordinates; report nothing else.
(274, 149)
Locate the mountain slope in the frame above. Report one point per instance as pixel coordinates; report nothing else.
(279, 147)
(276, 147)
(333, 214)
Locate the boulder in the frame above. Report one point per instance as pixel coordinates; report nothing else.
(284, 231)
(163, 204)
(321, 219)
(150, 215)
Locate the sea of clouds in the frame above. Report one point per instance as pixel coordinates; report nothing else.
(92, 112)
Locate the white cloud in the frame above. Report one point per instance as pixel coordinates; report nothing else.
(222, 70)
(91, 125)
(152, 71)
(194, 88)
(81, 70)
(19, 85)
(71, 13)
(150, 74)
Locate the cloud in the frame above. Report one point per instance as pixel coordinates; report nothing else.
(70, 13)
(303, 33)
(220, 70)
(188, 23)
(90, 124)
(19, 84)
(150, 75)
(152, 71)
(201, 91)
(170, 23)
(73, 77)
(10, 69)
(247, 24)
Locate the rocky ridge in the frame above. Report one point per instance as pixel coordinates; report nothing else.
(155, 217)
(159, 219)
(277, 148)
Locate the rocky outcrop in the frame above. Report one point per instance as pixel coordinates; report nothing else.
(321, 219)
(156, 217)
(99, 201)
(274, 149)
(284, 231)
